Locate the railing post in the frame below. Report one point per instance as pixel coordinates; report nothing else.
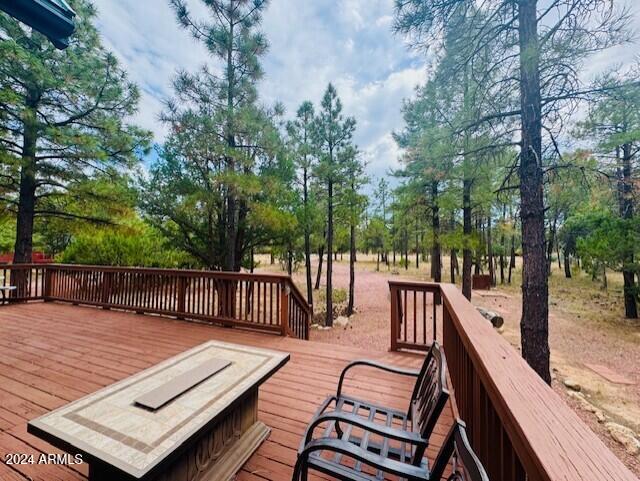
(285, 292)
(394, 317)
(182, 296)
(19, 279)
(48, 284)
(106, 288)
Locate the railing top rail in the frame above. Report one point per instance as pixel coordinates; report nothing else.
(262, 277)
(298, 295)
(274, 277)
(25, 266)
(548, 435)
(416, 285)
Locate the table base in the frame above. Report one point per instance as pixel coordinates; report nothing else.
(217, 456)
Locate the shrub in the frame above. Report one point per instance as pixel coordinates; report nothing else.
(140, 248)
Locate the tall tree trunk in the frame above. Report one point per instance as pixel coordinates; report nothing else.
(406, 250)
(553, 228)
(319, 273)
(243, 211)
(478, 261)
(329, 296)
(492, 270)
(534, 325)
(628, 275)
(567, 265)
(452, 265)
(26, 207)
(417, 249)
(502, 246)
(23, 248)
(512, 257)
(230, 220)
(436, 257)
(467, 260)
(307, 231)
(352, 268)
(393, 236)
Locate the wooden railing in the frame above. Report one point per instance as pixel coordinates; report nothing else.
(29, 281)
(267, 302)
(519, 427)
(299, 315)
(414, 314)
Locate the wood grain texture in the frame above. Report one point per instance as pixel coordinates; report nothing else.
(51, 354)
(492, 379)
(266, 302)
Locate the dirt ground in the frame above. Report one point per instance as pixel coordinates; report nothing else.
(587, 327)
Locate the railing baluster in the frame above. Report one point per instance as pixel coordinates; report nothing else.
(247, 300)
(404, 310)
(415, 325)
(270, 303)
(264, 302)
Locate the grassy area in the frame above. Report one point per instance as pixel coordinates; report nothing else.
(585, 300)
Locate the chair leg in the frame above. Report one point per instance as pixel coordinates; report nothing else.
(301, 470)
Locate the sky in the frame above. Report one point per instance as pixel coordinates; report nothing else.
(312, 43)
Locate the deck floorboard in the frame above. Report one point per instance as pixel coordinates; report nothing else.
(51, 354)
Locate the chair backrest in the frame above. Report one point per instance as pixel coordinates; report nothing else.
(456, 461)
(431, 393)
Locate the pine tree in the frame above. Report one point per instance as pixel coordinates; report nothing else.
(550, 41)
(301, 142)
(614, 123)
(333, 133)
(353, 204)
(222, 184)
(233, 39)
(62, 119)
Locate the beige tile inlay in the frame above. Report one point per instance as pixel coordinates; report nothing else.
(109, 426)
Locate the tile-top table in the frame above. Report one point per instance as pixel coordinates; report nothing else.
(193, 417)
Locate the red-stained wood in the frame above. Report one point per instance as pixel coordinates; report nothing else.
(413, 314)
(45, 346)
(185, 294)
(518, 425)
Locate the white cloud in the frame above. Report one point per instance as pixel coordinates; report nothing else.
(347, 42)
(147, 40)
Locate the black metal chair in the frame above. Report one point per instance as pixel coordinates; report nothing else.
(404, 435)
(456, 453)
(456, 461)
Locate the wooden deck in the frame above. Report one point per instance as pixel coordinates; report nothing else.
(51, 354)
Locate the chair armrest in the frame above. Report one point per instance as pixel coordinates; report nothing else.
(362, 423)
(375, 365)
(389, 466)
